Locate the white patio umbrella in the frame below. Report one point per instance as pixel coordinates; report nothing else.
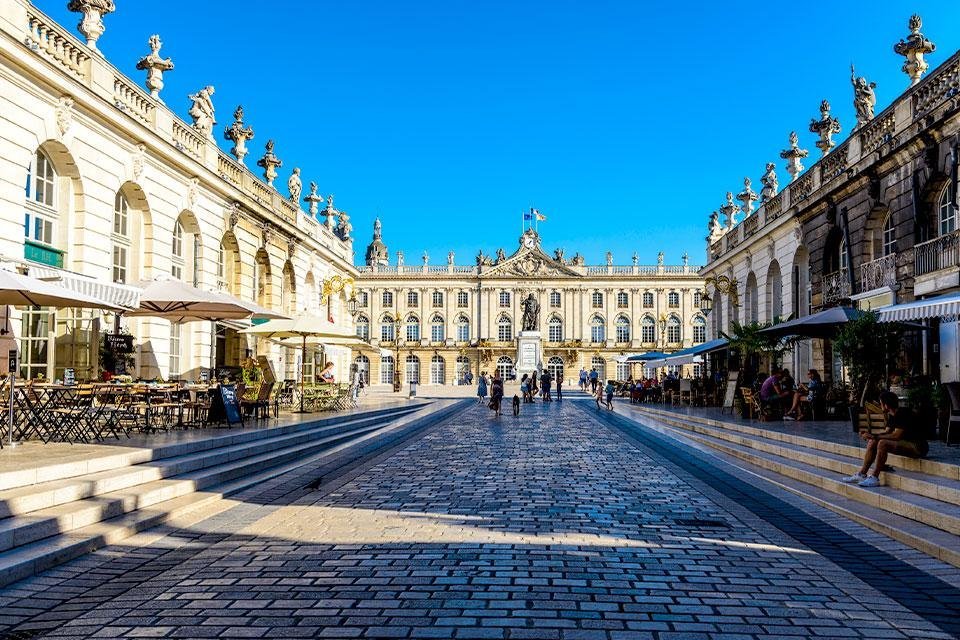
(305, 327)
(178, 302)
(20, 290)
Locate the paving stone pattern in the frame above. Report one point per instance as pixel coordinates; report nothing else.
(552, 525)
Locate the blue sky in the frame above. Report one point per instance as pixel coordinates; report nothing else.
(624, 122)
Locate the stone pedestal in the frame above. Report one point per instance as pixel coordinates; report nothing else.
(529, 352)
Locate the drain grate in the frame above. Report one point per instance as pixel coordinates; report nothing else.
(698, 523)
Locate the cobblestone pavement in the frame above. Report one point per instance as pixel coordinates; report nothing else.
(552, 525)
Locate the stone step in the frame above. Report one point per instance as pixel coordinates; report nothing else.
(111, 454)
(930, 540)
(29, 498)
(924, 465)
(934, 487)
(31, 558)
(16, 531)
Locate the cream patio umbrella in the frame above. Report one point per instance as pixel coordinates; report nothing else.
(178, 301)
(304, 327)
(20, 290)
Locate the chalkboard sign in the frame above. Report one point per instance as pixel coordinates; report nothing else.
(119, 342)
(69, 377)
(225, 406)
(731, 391)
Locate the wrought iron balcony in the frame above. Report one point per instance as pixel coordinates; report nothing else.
(878, 273)
(835, 287)
(936, 254)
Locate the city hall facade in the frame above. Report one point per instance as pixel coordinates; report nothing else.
(434, 323)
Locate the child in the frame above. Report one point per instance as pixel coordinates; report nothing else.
(609, 389)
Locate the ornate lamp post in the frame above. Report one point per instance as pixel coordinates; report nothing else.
(706, 303)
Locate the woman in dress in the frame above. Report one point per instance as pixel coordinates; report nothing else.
(482, 387)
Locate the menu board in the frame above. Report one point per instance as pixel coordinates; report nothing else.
(225, 406)
(731, 391)
(69, 377)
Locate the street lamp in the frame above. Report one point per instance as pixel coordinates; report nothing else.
(706, 303)
(353, 306)
(396, 365)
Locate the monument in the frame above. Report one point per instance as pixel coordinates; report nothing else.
(529, 345)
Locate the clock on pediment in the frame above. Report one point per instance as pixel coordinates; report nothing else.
(530, 239)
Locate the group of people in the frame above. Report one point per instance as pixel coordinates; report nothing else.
(531, 385)
(589, 380)
(785, 398)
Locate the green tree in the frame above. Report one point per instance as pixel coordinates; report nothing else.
(868, 349)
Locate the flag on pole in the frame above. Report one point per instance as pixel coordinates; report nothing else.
(539, 216)
(528, 216)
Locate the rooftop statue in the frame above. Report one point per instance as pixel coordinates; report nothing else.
(714, 227)
(558, 255)
(913, 49)
(450, 257)
(295, 186)
(202, 111)
(238, 135)
(609, 258)
(314, 200)
(501, 256)
(270, 163)
(729, 210)
(344, 227)
(864, 98)
(91, 25)
(399, 258)
(748, 196)
(793, 156)
(154, 65)
(577, 260)
(483, 260)
(826, 127)
(769, 182)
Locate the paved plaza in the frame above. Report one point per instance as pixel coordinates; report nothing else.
(562, 523)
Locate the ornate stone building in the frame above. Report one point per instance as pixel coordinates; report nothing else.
(434, 322)
(873, 222)
(102, 184)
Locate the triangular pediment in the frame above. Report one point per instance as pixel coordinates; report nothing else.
(530, 263)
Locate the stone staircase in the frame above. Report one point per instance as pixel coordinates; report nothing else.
(52, 513)
(919, 504)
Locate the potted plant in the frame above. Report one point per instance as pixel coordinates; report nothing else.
(754, 346)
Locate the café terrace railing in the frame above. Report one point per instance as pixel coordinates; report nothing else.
(939, 253)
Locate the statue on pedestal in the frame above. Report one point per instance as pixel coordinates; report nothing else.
(729, 210)
(270, 163)
(864, 97)
(748, 196)
(202, 112)
(295, 186)
(530, 320)
(769, 182)
(314, 200)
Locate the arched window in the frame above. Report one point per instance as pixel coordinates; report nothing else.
(555, 367)
(623, 300)
(437, 299)
(504, 299)
(751, 302)
(176, 251)
(647, 300)
(437, 332)
(463, 328)
(597, 300)
(121, 238)
(363, 299)
(413, 299)
(623, 371)
(387, 298)
(42, 221)
(674, 333)
(555, 330)
(438, 370)
(413, 369)
(948, 213)
(505, 367)
(699, 330)
(413, 328)
(229, 268)
(673, 300)
(598, 363)
(504, 329)
(623, 329)
(463, 368)
(888, 239)
(598, 329)
(387, 369)
(463, 299)
(555, 299)
(648, 330)
(185, 249)
(363, 366)
(388, 329)
(774, 305)
(363, 327)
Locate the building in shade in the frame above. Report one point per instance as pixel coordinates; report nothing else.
(433, 323)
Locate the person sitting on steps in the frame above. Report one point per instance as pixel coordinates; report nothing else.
(902, 437)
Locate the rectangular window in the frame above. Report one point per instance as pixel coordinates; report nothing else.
(387, 299)
(386, 370)
(413, 299)
(38, 227)
(597, 299)
(648, 300)
(120, 264)
(413, 332)
(45, 181)
(174, 371)
(555, 332)
(363, 299)
(35, 342)
(463, 299)
(623, 300)
(555, 299)
(463, 332)
(436, 332)
(437, 299)
(504, 299)
(505, 332)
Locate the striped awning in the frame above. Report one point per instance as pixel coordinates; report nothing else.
(120, 295)
(939, 307)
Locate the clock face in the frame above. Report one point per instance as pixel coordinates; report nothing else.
(528, 242)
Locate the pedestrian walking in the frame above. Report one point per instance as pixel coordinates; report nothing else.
(559, 388)
(534, 387)
(608, 390)
(583, 379)
(598, 396)
(496, 394)
(545, 381)
(481, 387)
(525, 389)
(594, 379)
